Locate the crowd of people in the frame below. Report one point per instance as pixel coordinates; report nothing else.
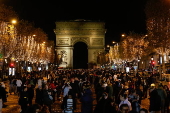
(115, 92)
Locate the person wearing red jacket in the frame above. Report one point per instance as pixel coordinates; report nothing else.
(53, 87)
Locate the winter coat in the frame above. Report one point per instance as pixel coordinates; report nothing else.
(52, 86)
(23, 100)
(46, 99)
(39, 96)
(30, 93)
(87, 96)
(155, 101)
(3, 94)
(102, 105)
(168, 97)
(111, 109)
(87, 101)
(110, 91)
(162, 93)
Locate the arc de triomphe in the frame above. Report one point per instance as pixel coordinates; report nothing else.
(68, 33)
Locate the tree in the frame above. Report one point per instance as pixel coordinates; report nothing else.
(7, 13)
(158, 25)
(25, 28)
(101, 58)
(23, 42)
(133, 46)
(51, 51)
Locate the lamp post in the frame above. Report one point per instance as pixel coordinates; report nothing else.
(152, 64)
(138, 63)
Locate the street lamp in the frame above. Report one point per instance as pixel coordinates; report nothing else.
(113, 42)
(123, 35)
(152, 64)
(152, 58)
(13, 21)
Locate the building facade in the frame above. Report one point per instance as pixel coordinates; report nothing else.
(68, 33)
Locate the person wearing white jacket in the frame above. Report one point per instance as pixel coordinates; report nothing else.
(66, 88)
(19, 84)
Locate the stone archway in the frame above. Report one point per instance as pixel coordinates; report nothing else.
(80, 56)
(70, 32)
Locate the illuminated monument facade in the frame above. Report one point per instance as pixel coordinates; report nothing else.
(68, 33)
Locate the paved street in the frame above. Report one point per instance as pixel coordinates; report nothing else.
(12, 103)
(13, 107)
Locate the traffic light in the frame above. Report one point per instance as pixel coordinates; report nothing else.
(153, 63)
(12, 65)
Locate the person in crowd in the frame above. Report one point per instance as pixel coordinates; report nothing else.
(66, 88)
(59, 89)
(1, 102)
(80, 84)
(143, 110)
(11, 85)
(19, 84)
(14, 85)
(23, 100)
(118, 90)
(115, 77)
(86, 101)
(134, 98)
(139, 92)
(3, 93)
(112, 108)
(104, 85)
(74, 91)
(124, 100)
(39, 96)
(47, 98)
(32, 83)
(163, 95)
(52, 86)
(124, 108)
(99, 91)
(109, 90)
(77, 82)
(155, 100)
(39, 82)
(167, 100)
(103, 104)
(145, 87)
(125, 89)
(30, 91)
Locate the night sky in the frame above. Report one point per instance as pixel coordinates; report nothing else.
(120, 16)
